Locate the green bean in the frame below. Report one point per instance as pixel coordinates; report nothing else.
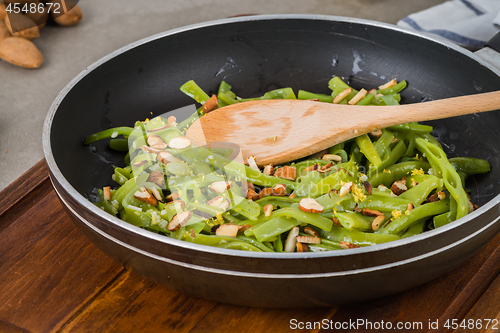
(408, 218)
(393, 157)
(367, 148)
(394, 89)
(352, 221)
(451, 179)
(273, 227)
(411, 127)
(308, 95)
(396, 171)
(106, 134)
(384, 142)
(469, 165)
(252, 241)
(194, 91)
(419, 193)
(415, 229)
(340, 234)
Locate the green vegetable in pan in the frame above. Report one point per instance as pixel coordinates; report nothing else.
(379, 187)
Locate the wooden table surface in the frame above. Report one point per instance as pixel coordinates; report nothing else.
(52, 279)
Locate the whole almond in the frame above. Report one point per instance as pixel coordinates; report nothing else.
(3, 12)
(39, 16)
(25, 27)
(69, 13)
(20, 52)
(4, 33)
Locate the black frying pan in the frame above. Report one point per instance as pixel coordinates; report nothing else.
(256, 54)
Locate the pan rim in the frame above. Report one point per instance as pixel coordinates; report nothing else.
(70, 190)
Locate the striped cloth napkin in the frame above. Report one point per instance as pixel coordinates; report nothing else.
(468, 23)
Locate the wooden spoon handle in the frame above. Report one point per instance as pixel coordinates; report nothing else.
(276, 131)
(446, 108)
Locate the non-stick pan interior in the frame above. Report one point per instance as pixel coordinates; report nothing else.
(255, 55)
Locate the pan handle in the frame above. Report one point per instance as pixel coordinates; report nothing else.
(491, 52)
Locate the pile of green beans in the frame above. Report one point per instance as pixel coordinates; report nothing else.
(378, 187)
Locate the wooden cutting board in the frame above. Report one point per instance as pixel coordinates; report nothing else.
(52, 279)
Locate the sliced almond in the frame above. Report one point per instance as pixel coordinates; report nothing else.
(312, 168)
(432, 198)
(179, 220)
(178, 204)
(225, 205)
(310, 205)
(279, 190)
(441, 195)
(180, 142)
(359, 96)
(210, 105)
(291, 240)
(165, 157)
(172, 197)
(311, 231)
(377, 221)
(332, 157)
(376, 133)
(106, 191)
(172, 121)
(220, 186)
(342, 95)
(230, 230)
(301, 247)
(151, 150)
(372, 91)
(410, 206)
(336, 221)
(268, 209)
(157, 178)
(138, 164)
(292, 196)
(243, 227)
(326, 168)
(266, 191)
(146, 197)
(347, 245)
(156, 194)
(389, 84)
(345, 189)
(156, 142)
(286, 172)
(219, 202)
(382, 188)
(368, 187)
(371, 212)
(399, 186)
(252, 164)
(268, 170)
(215, 201)
(252, 195)
(308, 239)
(158, 129)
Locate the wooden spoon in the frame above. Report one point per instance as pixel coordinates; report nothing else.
(278, 131)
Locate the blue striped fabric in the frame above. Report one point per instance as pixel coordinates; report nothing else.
(454, 37)
(469, 23)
